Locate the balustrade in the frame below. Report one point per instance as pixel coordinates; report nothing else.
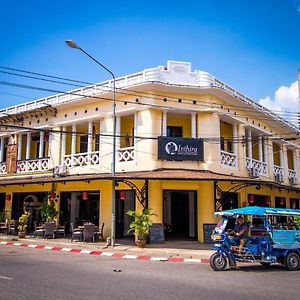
(33, 165)
(228, 159)
(258, 167)
(278, 173)
(82, 159)
(126, 154)
(2, 168)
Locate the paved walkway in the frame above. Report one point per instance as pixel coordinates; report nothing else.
(175, 251)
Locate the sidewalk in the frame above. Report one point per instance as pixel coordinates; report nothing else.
(176, 251)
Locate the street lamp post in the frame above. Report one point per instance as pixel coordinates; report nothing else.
(73, 45)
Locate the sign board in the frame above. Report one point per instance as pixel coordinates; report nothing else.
(175, 148)
(157, 234)
(11, 158)
(208, 229)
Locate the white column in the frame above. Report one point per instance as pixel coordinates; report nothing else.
(294, 160)
(73, 145)
(135, 126)
(90, 140)
(260, 149)
(193, 125)
(41, 148)
(118, 131)
(20, 138)
(63, 144)
(271, 158)
(28, 143)
(1, 149)
(164, 123)
(249, 144)
(281, 155)
(265, 142)
(235, 139)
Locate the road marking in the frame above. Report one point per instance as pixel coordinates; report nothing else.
(7, 278)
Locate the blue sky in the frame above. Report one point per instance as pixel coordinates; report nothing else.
(252, 45)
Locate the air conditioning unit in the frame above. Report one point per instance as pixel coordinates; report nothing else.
(253, 173)
(278, 178)
(292, 181)
(61, 170)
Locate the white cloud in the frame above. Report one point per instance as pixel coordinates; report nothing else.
(284, 99)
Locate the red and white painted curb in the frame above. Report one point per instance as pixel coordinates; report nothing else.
(110, 254)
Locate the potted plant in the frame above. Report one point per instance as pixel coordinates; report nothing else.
(48, 211)
(23, 224)
(140, 225)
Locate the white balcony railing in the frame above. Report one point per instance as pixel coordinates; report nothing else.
(82, 159)
(33, 165)
(228, 159)
(126, 154)
(258, 167)
(278, 173)
(292, 174)
(2, 168)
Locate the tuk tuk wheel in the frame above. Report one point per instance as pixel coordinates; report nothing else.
(218, 262)
(292, 261)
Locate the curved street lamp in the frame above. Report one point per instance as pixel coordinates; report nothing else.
(73, 45)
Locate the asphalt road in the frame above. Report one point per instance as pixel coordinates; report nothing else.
(43, 274)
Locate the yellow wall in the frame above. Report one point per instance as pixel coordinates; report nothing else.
(183, 121)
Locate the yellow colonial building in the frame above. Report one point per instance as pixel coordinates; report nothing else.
(187, 144)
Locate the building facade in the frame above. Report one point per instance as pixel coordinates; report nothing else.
(187, 144)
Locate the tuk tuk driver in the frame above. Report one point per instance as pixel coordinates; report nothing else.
(241, 230)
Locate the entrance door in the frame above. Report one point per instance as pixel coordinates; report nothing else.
(30, 202)
(79, 207)
(125, 200)
(180, 214)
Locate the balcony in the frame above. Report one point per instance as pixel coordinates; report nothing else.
(259, 168)
(228, 159)
(33, 165)
(82, 159)
(126, 154)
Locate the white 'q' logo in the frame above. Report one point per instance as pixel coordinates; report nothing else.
(171, 148)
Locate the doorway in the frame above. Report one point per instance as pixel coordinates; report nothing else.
(125, 200)
(2, 201)
(180, 215)
(30, 202)
(79, 207)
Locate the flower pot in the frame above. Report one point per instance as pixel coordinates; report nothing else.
(140, 243)
(21, 234)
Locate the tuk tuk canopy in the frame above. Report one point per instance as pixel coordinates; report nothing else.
(258, 211)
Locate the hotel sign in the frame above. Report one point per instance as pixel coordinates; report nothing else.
(174, 148)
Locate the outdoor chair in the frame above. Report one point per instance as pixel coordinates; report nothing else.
(39, 231)
(99, 233)
(76, 233)
(50, 229)
(88, 232)
(61, 230)
(3, 227)
(13, 228)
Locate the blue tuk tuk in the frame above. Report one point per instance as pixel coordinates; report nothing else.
(274, 237)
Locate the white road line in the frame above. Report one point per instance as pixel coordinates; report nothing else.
(7, 278)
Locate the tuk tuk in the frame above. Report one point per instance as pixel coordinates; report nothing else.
(273, 237)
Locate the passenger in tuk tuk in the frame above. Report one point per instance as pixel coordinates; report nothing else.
(240, 232)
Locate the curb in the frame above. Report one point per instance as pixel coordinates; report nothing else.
(110, 254)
